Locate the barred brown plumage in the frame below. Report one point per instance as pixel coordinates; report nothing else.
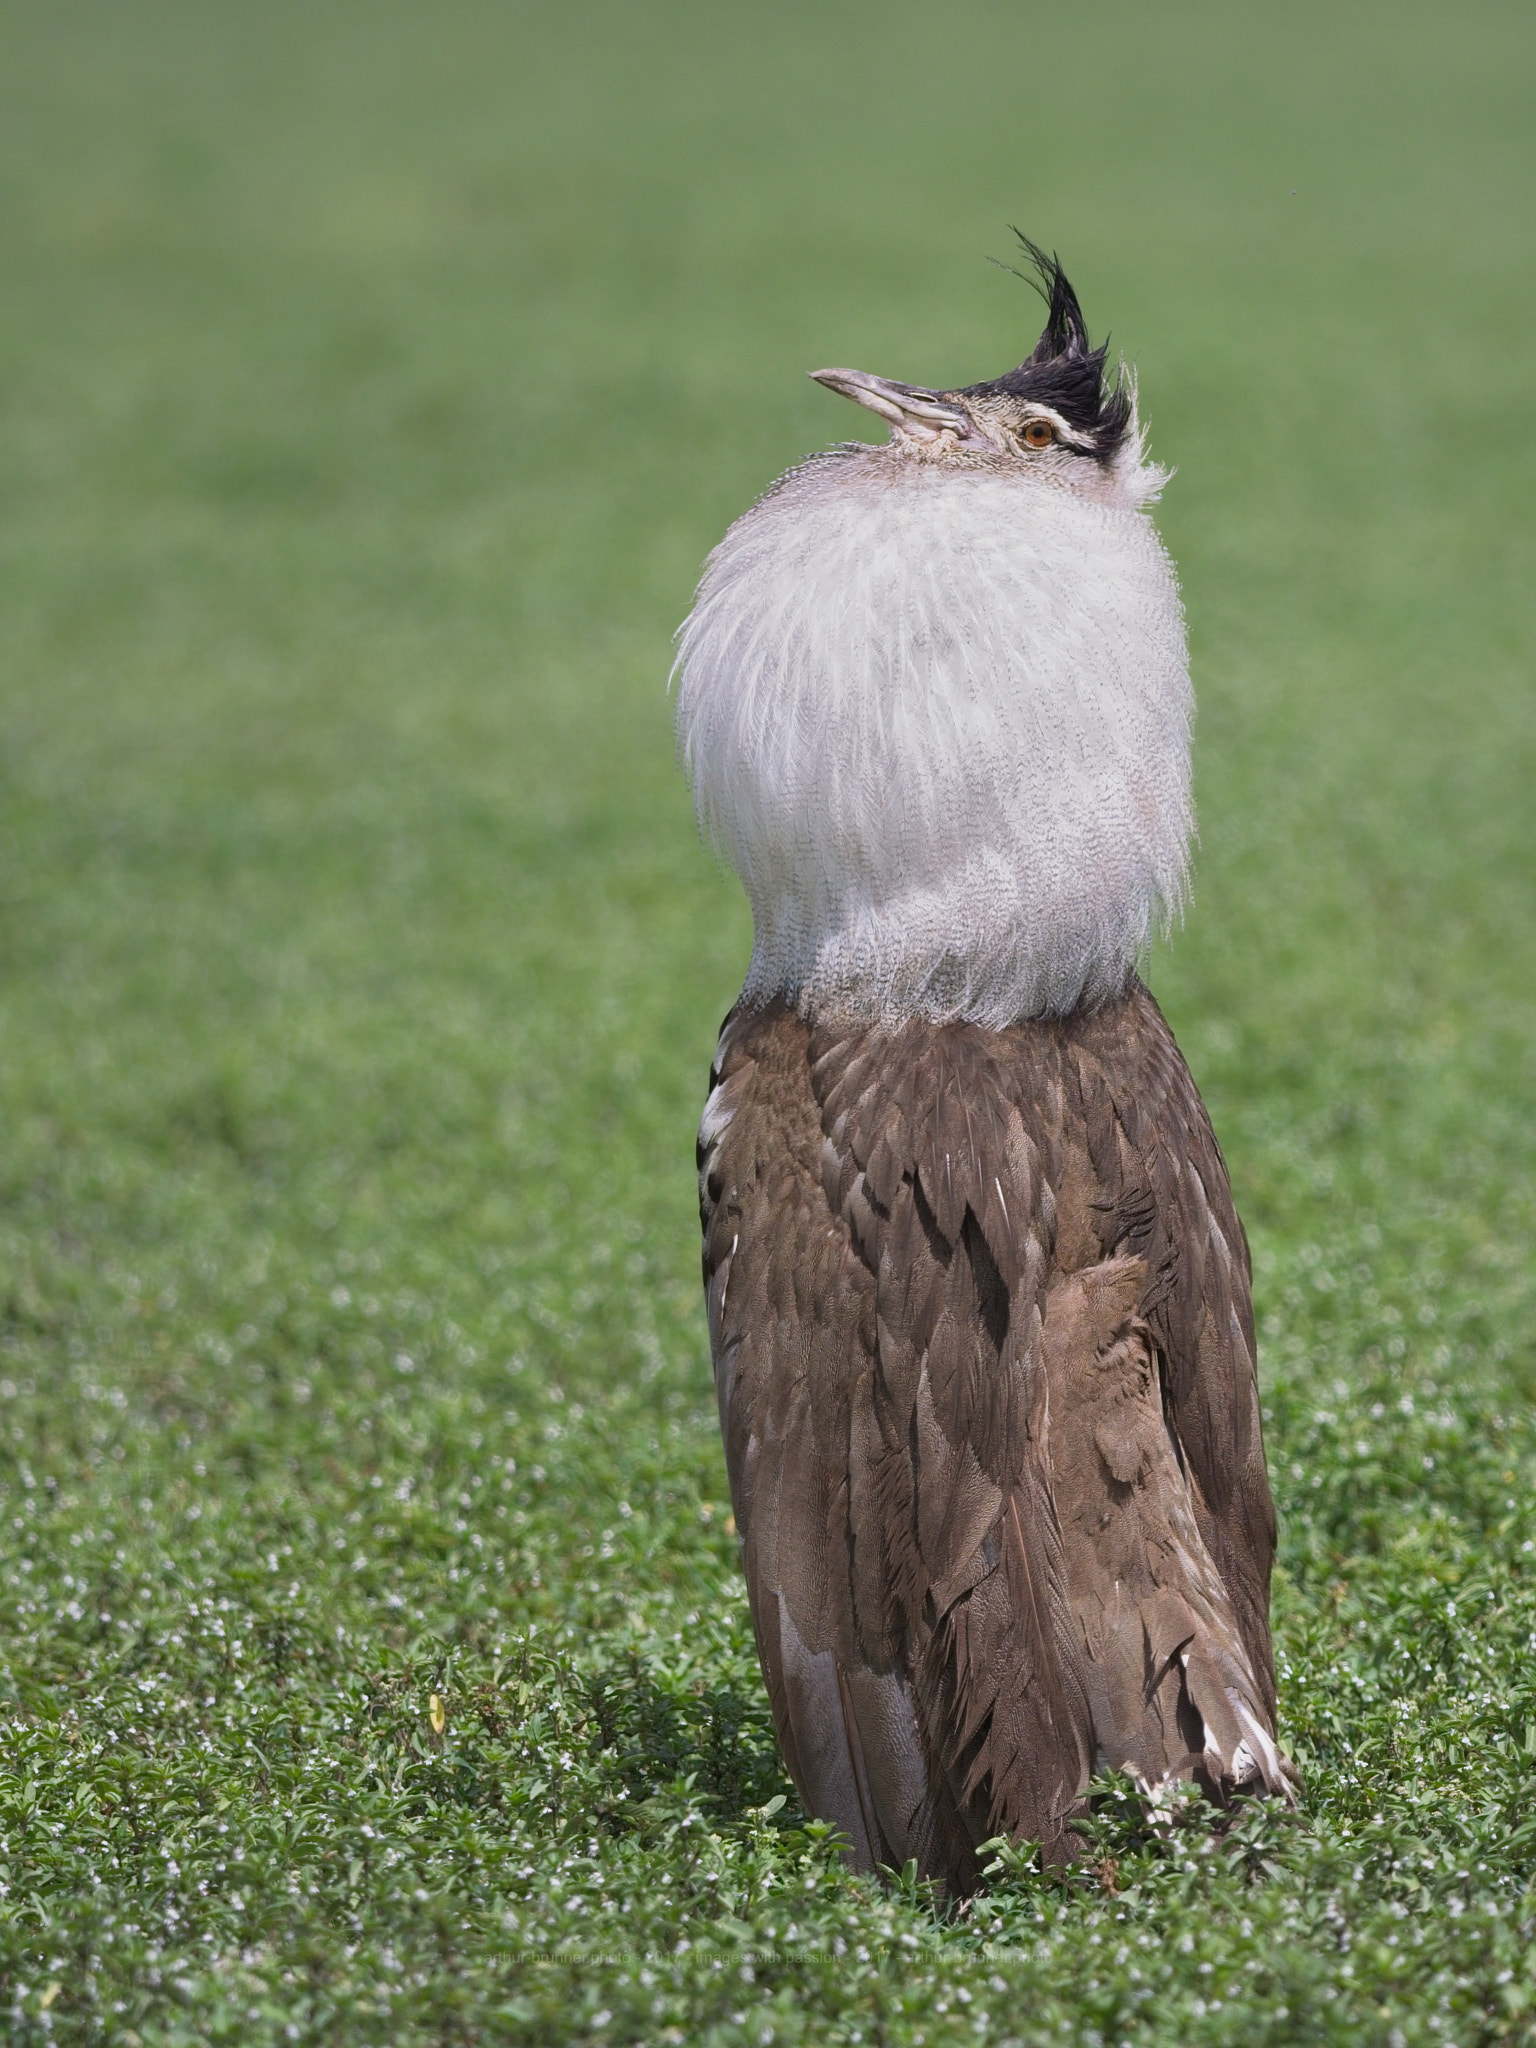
(979, 1300)
(979, 1305)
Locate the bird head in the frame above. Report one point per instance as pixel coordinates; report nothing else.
(1056, 418)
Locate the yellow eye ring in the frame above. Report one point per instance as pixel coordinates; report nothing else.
(1038, 434)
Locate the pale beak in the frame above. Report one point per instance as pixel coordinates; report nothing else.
(921, 415)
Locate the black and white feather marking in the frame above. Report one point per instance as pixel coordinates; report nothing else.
(1064, 370)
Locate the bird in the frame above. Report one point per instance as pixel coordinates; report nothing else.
(979, 1300)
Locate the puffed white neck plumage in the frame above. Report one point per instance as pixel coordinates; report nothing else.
(937, 716)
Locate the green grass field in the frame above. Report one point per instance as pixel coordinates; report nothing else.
(373, 380)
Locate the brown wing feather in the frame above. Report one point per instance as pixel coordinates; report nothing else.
(958, 1258)
(791, 1321)
(1174, 1208)
(979, 1309)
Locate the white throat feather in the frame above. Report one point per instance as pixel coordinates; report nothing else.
(937, 716)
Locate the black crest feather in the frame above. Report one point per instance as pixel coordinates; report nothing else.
(1064, 370)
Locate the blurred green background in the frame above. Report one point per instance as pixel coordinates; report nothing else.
(373, 380)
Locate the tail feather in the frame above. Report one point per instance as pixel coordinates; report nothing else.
(1172, 1689)
(856, 1751)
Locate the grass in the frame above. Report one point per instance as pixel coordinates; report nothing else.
(374, 1664)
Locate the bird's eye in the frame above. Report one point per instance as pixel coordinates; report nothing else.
(1038, 434)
